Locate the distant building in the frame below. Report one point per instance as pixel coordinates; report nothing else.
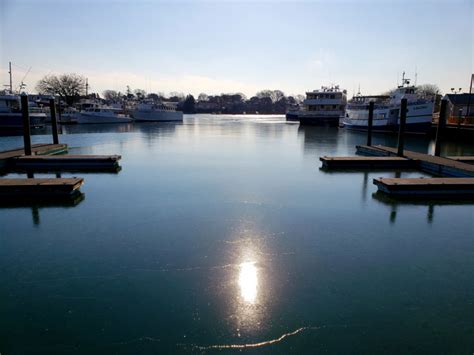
(460, 104)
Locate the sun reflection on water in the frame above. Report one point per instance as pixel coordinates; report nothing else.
(248, 281)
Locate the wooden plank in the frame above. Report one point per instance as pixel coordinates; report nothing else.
(37, 149)
(463, 187)
(427, 181)
(70, 157)
(468, 159)
(366, 162)
(40, 187)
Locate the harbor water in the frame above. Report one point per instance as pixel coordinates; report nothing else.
(222, 234)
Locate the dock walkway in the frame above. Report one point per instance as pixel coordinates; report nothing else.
(432, 164)
(367, 162)
(432, 187)
(36, 149)
(39, 188)
(67, 162)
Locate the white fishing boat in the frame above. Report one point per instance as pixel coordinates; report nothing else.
(387, 111)
(151, 112)
(324, 107)
(102, 115)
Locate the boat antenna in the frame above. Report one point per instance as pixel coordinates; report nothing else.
(416, 75)
(87, 86)
(358, 93)
(10, 72)
(22, 84)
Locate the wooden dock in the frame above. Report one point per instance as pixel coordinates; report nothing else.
(40, 188)
(463, 158)
(427, 187)
(36, 149)
(67, 162)
(383, 162)
(432, 164)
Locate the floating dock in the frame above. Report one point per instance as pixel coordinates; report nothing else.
(432, 164)
(427, 187)
(40, 188)
(463, 158)
(384, 162)
(67, 162)
(36, 149)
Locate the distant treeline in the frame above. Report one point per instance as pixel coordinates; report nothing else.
(264, 102)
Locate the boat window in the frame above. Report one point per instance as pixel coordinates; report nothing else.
(333, 96)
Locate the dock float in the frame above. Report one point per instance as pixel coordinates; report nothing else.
(68, 162)
(36, 149)
(468, 159)
(384, 162)
(426, 187)
(43, 188)
(432, 164)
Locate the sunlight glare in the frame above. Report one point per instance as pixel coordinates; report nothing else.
(248, 281)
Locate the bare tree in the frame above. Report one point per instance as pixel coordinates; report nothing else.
(139, 93)
(274, 95)
(110, 95)
(428, 89)
(203, 97)
(69, 86)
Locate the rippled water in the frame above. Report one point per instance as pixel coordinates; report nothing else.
(222, 234)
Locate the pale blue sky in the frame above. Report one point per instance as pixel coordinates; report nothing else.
(239, 46)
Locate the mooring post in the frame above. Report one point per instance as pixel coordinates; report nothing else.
(443, 111)
(371, 120)
(54, 121)
(401, 129)
(25, 114)
(59, 113)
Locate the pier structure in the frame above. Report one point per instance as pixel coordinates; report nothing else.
(47, 157)
(456, 174)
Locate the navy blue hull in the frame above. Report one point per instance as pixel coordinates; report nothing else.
(320, 121)
(290, 116)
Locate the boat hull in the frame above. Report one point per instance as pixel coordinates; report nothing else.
(85, 118)
(332, 121)
(15, 120)
(386, 119)
(157, 116)
(292, 116)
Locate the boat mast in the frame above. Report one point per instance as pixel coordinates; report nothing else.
(10, 72)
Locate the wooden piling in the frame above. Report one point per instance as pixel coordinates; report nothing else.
(26, 124)
(401, 129)
(54, 122)
(441, 126)
(370, 123)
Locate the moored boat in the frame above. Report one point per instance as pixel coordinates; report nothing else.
(324, 107)
(102, 115)
(387, 111)
(10, 114)
(148, 111)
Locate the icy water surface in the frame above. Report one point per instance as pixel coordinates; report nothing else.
(222, 235)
